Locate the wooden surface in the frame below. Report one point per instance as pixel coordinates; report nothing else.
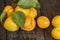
(49, 8)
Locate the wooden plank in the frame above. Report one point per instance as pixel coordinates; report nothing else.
(2, 31)
(13, 35)
(36, 34)
(50, 8)
(57, 7)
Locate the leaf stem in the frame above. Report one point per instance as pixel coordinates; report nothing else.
(14, 3)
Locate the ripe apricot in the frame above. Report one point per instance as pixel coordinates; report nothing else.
(43, 22)
(10, 25)
(56, 33)
(9, 10)
(56, 21)
(29, 24)
(32, 12)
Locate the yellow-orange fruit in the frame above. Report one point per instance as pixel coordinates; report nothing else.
(10, 25)
(56, 21)
(56, 33)
(32, 12)
(29, 24)
(43, 22)
(10, 12)
(7, 8)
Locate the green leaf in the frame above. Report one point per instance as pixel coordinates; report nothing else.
(29, 4)
(19, 18)
(2, 17)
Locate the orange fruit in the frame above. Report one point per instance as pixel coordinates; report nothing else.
(33, 12)
(9, 13)
(56, 21)
(28, 12)
(43, 22)
(29, 24)
(56, 33)
(9, 10)
(8, 7)
(10, 25)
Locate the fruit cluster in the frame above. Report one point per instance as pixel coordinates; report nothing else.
(23, 16)
(15, 19)
(20, 15)
(29, 24)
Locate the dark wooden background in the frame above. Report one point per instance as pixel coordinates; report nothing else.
(49, 8)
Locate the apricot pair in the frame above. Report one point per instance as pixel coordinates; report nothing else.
(30, 14)
(56, 31)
